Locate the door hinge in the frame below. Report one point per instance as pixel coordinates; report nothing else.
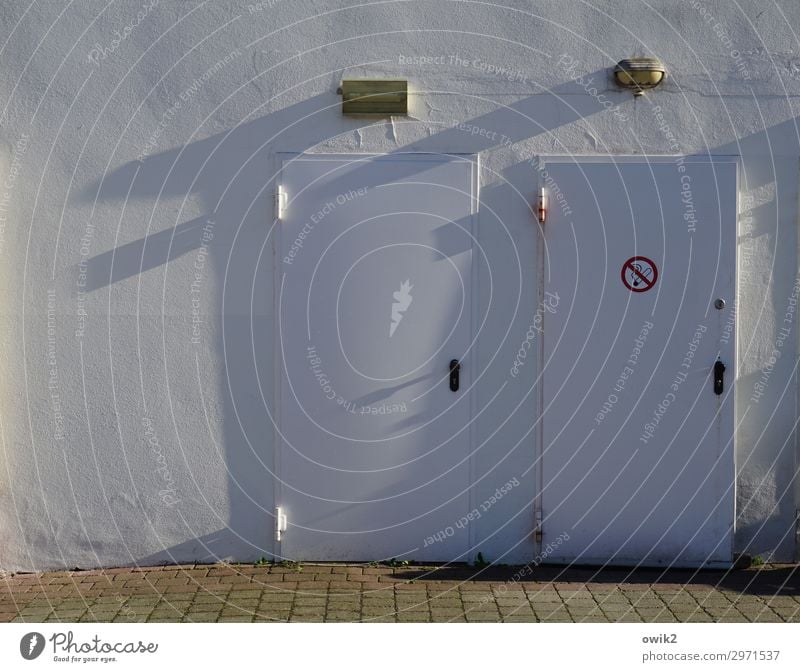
(537, 530)
(280, 202)
(280, 522)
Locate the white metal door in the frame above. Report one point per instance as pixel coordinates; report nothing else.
(638, 454)
(375, 301)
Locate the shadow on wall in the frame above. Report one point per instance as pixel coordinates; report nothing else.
(767, 458)
(232, 173)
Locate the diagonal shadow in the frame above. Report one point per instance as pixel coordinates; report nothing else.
(230, 172)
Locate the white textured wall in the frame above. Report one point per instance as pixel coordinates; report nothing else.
(123, 441)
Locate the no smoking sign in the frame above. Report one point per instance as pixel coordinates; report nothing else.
(639, 274)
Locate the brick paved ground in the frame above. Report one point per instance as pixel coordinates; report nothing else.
(230, 593)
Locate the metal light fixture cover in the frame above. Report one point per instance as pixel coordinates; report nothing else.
(639, 74)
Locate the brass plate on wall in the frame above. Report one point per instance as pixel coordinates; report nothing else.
(374, 96)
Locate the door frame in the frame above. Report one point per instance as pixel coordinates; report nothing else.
(278, 160)
(542, 160)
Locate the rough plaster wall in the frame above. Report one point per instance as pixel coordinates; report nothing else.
(158, 448)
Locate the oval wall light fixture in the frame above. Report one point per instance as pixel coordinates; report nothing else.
(639, 74)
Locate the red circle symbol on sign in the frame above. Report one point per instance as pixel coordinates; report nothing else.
(639, 274)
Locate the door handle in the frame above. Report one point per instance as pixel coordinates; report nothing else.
(455, 369)
(719, 377)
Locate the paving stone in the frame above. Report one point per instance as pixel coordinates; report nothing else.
(448, 613)
(231, 611)
(342, 617)
(544, 598)
(234, 619)
(438, 618)
(414, 604)
(178, 618)
(520, 618)
(483, 618)
(30, 612)
(166, 612)
(732, 618)
(205, 608)
(390, 605)
(210, 599)
(554, 619)
(305, 611)
(504, 602)
(768, 617)
(336, 599)
(142, 601)
(630, 617)
(385, 594)
(306, 619)
(596, 618)
(275, 597)
(268, 618)
(476, 598)
(200, 618)
(69, 613)
(386, 619)
(235, 600)
(512, 611)
(377, 613)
